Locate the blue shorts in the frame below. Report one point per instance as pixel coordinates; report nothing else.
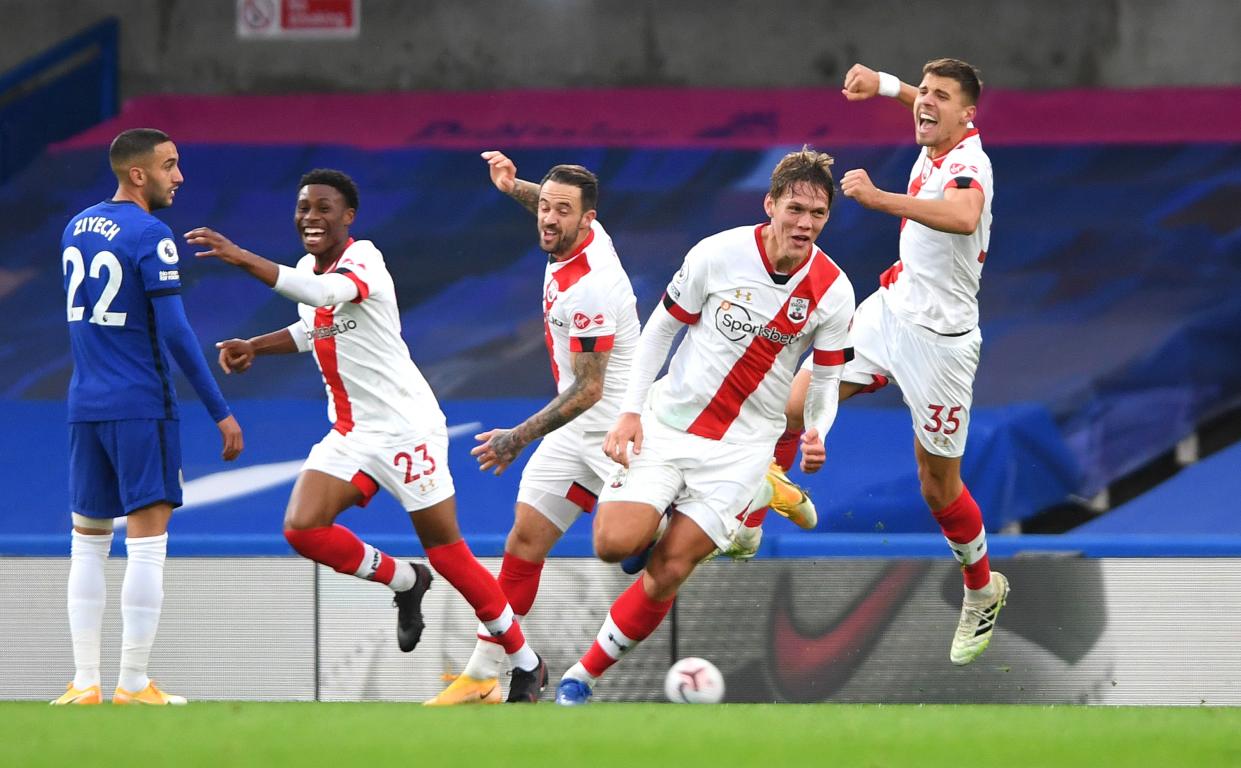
(118, 467)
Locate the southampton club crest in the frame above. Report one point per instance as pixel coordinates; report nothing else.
(797, 308)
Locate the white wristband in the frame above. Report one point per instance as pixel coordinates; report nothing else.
(889, 85)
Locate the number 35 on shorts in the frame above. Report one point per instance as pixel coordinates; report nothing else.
(943, 419)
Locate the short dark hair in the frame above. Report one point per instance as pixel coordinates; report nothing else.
(969, 76)
(338, 180)
(133, 144)
(576, 176)
(805, 166)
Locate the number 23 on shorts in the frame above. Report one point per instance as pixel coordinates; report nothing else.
(425, 461)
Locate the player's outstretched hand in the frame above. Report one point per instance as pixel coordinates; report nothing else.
(813, 454)
(230, 432)
(856, 184)
(236, 355)
(628, 429)
(217, 245)
(499, 448)
(861, 83)
(503, 171)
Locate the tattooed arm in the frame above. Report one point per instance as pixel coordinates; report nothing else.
(504, 176)
(500, 447)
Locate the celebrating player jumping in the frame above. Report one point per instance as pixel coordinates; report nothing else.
(920, 329)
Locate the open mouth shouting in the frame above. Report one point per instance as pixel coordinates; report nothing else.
(927, 124)
(313, 236)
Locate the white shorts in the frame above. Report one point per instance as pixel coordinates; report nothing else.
(935, 373)
(563, 477)
(710, 481)
(414, 470)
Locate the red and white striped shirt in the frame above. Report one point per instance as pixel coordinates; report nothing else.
(589, 306)
(935, 283)
(373, 387)
(748, 328)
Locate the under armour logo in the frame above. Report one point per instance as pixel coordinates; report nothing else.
(612, 639)
(743, 295)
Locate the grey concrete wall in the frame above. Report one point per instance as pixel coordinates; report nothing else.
(190, 46)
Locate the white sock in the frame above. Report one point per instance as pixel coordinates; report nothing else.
(142, 598)
(87, 595)
(525, 658)
(578, 672)
(968, 553)
(487, 660)
(762, 496)
(984, 595)
(404, 577)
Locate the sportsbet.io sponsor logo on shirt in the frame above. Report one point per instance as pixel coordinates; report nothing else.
(736, 323)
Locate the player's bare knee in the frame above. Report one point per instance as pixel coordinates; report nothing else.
(668, 573)
(526, 544)
(612, 545)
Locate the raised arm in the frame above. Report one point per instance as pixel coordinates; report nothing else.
(500, 447)
(504, 176)
(306, 288)
(862, 82)
(958, 213)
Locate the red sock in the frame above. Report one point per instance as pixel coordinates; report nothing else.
(634, 616)
(338, 548)
(755, 519)
(961, 522)
(456, 563)
(520, 581)
(786, 449)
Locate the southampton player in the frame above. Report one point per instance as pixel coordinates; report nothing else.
(755, 299)
(591, 328)
(387, 428)
(920, 329)
(126, 321)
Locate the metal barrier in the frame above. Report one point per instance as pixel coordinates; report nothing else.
(1075, 631)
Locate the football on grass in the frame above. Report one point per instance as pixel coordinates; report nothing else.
(694, 681)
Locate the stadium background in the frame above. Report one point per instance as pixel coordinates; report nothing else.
(1104, 440)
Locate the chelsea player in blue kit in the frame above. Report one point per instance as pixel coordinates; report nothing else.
(126, 321)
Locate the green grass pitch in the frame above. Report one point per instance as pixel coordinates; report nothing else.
(632, 735)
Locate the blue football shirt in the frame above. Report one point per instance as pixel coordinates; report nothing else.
(116, 258)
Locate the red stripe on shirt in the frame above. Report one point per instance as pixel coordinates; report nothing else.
(889, 275)
(572, 269)
(363, 289)
(596, 343)
(325, 352)
(755, 363)
(551, 349)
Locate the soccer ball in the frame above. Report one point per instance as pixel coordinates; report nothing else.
(694, 681)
